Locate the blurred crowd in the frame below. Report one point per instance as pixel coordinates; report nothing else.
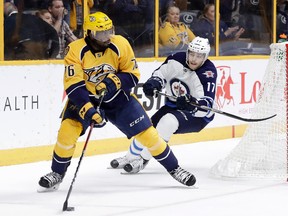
(42, 29)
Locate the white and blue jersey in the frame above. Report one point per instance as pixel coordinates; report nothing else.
(178, 79)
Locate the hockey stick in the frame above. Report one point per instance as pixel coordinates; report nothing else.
(219, 111)
(65, 205)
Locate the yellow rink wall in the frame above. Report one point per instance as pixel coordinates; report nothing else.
(105, 146)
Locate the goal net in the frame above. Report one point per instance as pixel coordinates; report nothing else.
(262, 151)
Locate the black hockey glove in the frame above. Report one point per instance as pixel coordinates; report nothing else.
(184, 103)
(110, 85)
(90, 114)
(152, 84)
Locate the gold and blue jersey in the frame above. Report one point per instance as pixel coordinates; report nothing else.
(85, 68)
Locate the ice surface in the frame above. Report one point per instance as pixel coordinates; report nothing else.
(153, 192)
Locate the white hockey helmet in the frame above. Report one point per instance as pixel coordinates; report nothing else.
(199, 45)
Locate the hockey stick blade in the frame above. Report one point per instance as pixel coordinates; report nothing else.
(66, 208)
(219, 111)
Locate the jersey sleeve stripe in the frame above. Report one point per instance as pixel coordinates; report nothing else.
(74, 87)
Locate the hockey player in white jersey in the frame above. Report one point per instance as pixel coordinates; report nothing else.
(191, 77)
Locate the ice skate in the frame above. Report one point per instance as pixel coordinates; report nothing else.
(136, 165)
(183, 176)
(119, 163)
(50, 182)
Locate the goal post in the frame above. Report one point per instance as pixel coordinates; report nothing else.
(263, 149)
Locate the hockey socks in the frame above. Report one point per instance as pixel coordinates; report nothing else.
(137, 149)
(59, 164)
(167, 159)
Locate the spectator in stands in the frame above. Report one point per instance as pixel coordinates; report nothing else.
(206, 27)
(256, 18)
(103, 5)
(146, 37)
(229, 10)
(76, 16)
(197, 4)
(128, 18)
(163, 6)
(65, 34)
(9, 9)
(172, 33)
(134, 20)
(67, 5)
(27, 37)
(45, 15)
(181, 4)
(282, 19)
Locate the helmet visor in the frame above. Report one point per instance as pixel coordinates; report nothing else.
(102, 35)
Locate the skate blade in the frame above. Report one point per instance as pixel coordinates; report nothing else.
(114, 168)
(128, 173)
(44, 190)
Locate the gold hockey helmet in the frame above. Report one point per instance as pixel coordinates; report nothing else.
(97, 21)
(99, 24)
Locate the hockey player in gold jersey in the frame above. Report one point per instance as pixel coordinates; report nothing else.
(104, 62)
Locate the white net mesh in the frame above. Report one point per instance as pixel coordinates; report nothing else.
(262, 151)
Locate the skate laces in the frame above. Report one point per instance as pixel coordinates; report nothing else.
(51, 179)
(122, 160)
(181, 175)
